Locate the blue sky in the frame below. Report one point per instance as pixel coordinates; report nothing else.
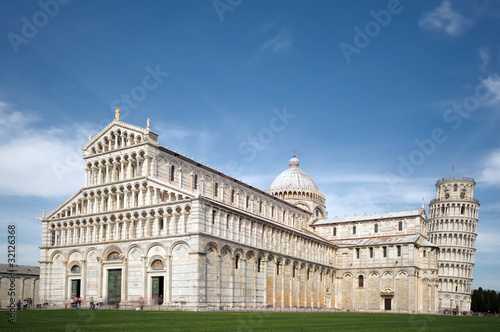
(377, 98)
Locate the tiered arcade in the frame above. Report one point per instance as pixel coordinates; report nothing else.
(452, 225)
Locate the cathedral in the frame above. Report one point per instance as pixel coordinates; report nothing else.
(152, 225)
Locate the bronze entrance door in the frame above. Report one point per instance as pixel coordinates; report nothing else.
(75, 288)
(157, 289)
(388, 304)
(114, 285)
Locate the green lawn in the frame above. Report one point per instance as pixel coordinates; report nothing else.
(109, 320)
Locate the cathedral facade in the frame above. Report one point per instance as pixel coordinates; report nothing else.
(153, 225)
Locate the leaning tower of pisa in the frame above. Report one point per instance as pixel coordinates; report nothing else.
(452, 226)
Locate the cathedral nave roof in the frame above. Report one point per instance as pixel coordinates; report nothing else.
(369, 217)
(374, 241)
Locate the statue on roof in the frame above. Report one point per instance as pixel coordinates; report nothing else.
(117, 114)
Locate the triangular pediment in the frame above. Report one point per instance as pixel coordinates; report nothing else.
(69, 203)
(74, 206)
(423, 214)
(118, 135)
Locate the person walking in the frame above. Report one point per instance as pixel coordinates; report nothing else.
(19, 305)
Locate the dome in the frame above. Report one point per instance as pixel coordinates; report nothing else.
(293, 178)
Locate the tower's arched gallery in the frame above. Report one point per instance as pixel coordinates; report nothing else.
(153, 225)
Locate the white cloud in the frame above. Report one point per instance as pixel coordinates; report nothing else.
(39, 161)
(484, 55)
(343, 178)
(348, 198)
(349, 193)
(491, 169)
(282, 42)
(487, 241)
(445, 19)
(271, 24)
(187, 140)
(12, 121)
(492, 83)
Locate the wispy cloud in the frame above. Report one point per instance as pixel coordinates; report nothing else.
(347, 198)
(484, 55)
(491, 169)
(349, 192)
(488, 240)
(42, 162)
(194, 142)
(492, 83)
(281, 42)
(13, 120)
(445, 19)
(271, 24)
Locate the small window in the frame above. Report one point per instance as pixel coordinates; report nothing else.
(400, 226)
(334, 231)
(232, 195)
(371, 252)
(384, 249)
(354, 229)
(375, 228)
(260, 207)
(357, 253)
(272, 211)
(424, 253)
(293, 271)
(399, 251)
(214, 213)
(236, 262)
(278, 268)
(308, 273)
(259, 260)
(361, 281)
(247, 202)
(195, 182)
(172, 172)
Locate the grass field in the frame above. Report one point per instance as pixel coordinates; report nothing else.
(108, 320)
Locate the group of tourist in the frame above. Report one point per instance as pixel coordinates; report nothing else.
(76, 302)
(27, 303)
(95, 305)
